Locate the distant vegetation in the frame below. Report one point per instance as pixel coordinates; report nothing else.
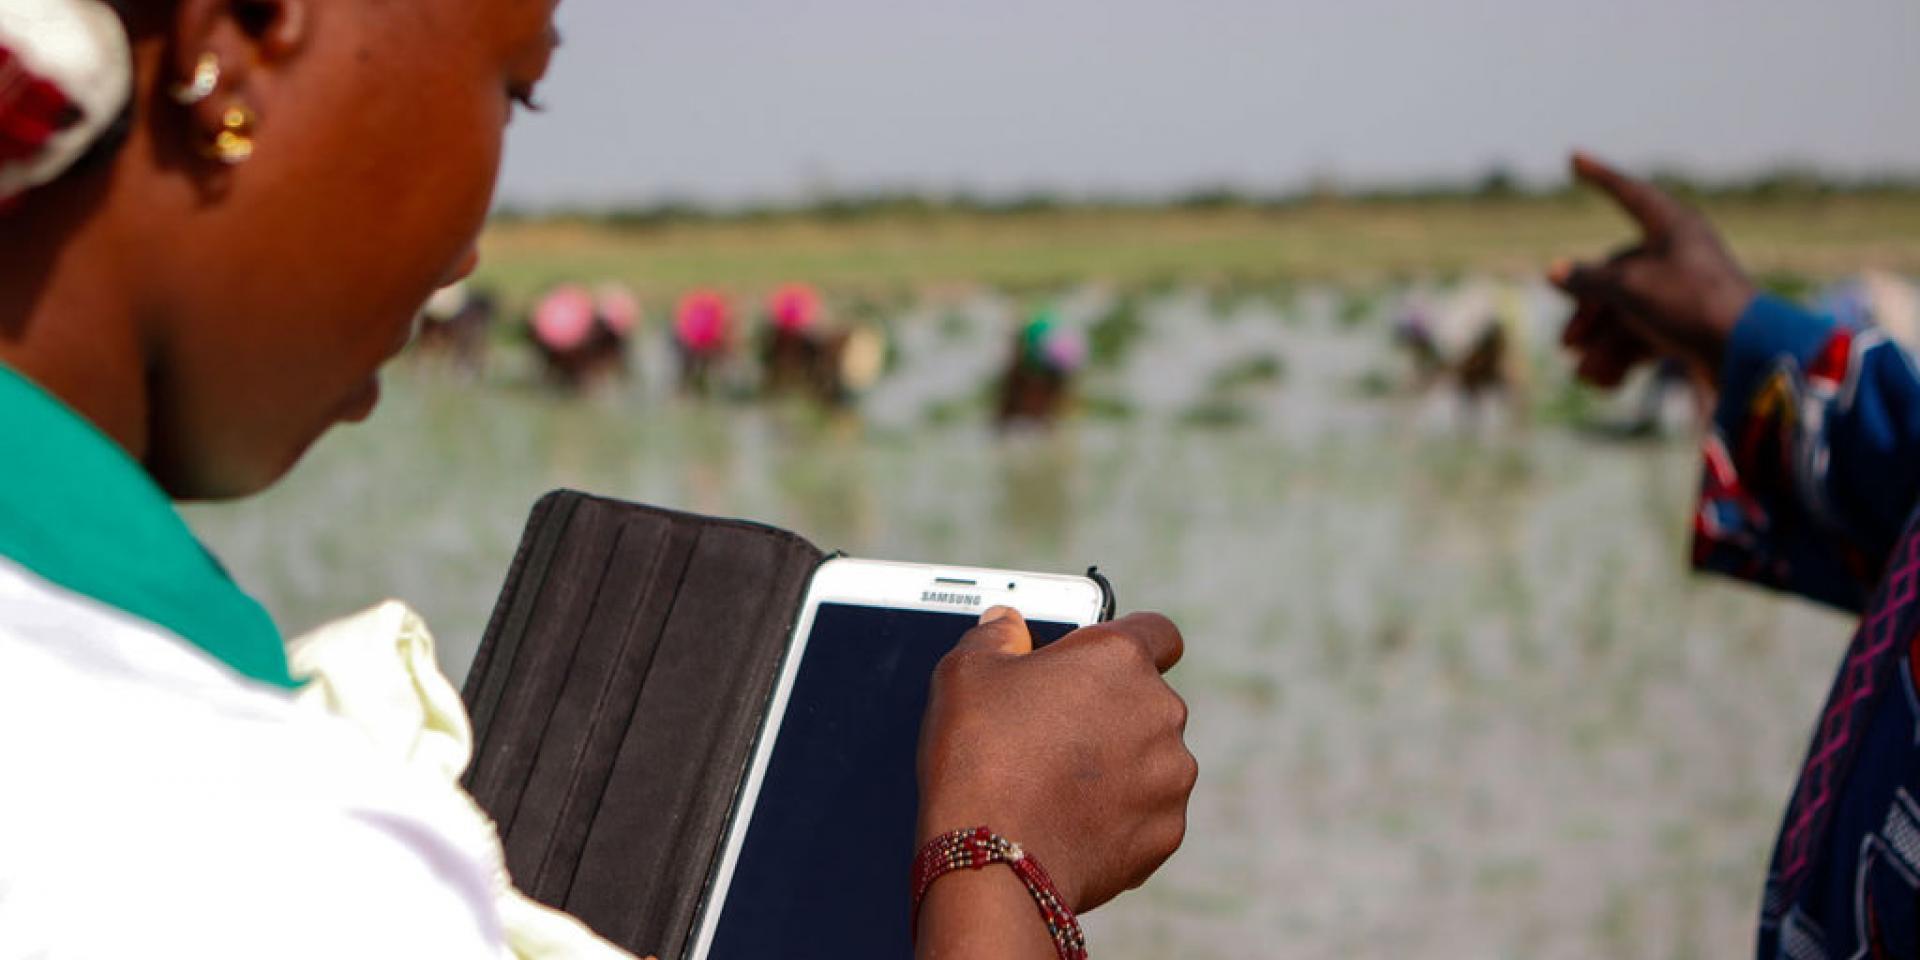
(1785, 184)
(1794, 228)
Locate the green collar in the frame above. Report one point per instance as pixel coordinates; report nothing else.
(79, 512)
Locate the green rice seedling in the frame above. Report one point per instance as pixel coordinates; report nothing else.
(1112, 337)
(1216, 413)
(1258, 370)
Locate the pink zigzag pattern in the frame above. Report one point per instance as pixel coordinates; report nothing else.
(1855, 690)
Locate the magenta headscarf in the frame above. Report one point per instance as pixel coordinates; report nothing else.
(796, 308)
(701, 324)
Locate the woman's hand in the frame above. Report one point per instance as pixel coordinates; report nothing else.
(1678, 292)
(1075, 751)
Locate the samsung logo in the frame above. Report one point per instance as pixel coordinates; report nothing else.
(958, 599)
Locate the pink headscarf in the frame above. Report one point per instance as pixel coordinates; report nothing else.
(1065, 350)
(701, 324)
(796, 308)
(619, 308)
(564, 318)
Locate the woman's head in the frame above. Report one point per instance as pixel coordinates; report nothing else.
(250, 305)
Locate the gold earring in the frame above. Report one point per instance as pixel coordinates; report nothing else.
(206, 79)
(233, 145)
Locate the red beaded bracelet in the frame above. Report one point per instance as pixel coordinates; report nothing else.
(979, 848)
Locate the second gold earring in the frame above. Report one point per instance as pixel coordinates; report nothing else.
(233, 145)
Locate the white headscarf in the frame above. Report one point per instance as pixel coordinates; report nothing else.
(79, 50)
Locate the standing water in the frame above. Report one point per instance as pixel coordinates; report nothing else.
(1454, 691)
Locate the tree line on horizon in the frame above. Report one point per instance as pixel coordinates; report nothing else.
(1497, 184)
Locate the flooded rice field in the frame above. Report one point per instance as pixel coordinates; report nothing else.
(1453, 690)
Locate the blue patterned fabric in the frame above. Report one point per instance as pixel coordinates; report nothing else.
(1812, 477)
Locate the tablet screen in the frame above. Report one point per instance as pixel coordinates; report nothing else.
(823, 870)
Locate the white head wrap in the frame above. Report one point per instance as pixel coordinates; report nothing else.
(81, 50)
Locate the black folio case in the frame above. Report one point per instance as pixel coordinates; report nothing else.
(616, 697)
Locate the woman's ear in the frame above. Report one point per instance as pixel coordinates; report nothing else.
(273, 29)
(215, 53)
(279, 27)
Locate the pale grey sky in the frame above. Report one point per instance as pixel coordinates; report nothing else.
(736, 100)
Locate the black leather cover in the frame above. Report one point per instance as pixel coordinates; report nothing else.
(615, 699)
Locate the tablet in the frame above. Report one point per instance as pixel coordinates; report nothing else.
(818, 849)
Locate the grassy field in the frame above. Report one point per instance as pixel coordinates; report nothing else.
(1345, 242)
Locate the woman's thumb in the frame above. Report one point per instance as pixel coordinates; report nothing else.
(1002, 630)
(1585, 281)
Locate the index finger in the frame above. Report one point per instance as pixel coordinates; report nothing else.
(1156, 635)
(1649, 206)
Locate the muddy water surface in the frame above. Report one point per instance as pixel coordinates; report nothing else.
(1454, 693)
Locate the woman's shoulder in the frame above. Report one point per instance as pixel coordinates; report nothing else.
(140, 767)
(63, 651)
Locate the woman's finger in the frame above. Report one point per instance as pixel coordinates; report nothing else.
(1585, 281)
(1156, 635)
(1649, 206)
(1583, 326)
(1001, 630)
(1610, 357)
